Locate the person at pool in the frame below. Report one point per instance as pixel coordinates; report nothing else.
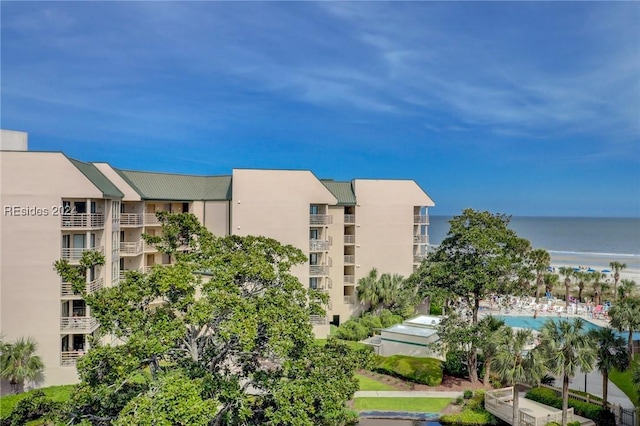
(535, 314)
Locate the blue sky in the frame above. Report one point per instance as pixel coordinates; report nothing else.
(525, 108)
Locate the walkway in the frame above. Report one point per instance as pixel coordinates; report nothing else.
(407, 394)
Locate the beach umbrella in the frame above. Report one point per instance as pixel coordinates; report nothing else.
(591, 270)
(576, 269)
(550, 269)
(606, 271)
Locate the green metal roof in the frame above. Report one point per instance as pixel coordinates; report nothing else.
(167, 186)
(109, 190)
(343, 191)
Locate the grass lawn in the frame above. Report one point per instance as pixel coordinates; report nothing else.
(58, 393)
(425, 405)
(623, 380)
(351, 344)
(368, 384)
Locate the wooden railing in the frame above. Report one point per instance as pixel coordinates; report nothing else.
(82, 220)
(499, 402)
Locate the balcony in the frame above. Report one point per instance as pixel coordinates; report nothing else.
(320, 219)
(78, 324)
(66, 289)
(122, 274)
(131, 219)
(349, 279)
(131, 248)
(349, 239)
(349, 259)
(82, 220)
(317, 319)
(421, 219)
(318, 245)
(349, 219)
(349, 300)
(420, 239)
(315, 270)
(418, 258)
(151, 219)
(70, 357)
(149, 248)
(74, 254)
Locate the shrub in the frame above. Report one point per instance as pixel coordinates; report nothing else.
(455, 365)
(576, 423)
(473, 413)
(459, 400)
(435, 309)
(33, 406)
(549, 397)
(426, 371)
(371, 322)
(467, 394)
(352, 330)
(388, 318)
(556, 424)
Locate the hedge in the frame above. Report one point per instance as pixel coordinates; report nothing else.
(548, 397)
(472, 414)
(427, 371)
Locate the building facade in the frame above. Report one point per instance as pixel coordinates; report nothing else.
(56, 207)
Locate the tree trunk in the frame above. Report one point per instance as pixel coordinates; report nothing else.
(472, 366)
(516, 406)
(476, 308)
(605, 388)
(566, 297)
(580, 295)
(487, 372)
(565, 398)
(630, 344)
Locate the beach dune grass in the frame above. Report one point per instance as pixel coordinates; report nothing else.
(420, 405)
(369, 384)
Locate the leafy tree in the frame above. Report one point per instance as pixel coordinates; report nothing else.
(490, 328)
(479, 257)
(625, 316)
(566, 347)
(540, 260)
(225, 329)
(515, 363)
(567, 272)
(18, 362)
(627, 288)
(611, 354)
(617, 267)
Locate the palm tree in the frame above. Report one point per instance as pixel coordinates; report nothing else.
(627, 288)
(550, 281)
(515, 364)
(567, 272)
(540, 259)
(489, 328)
(566, 347)
(390, 290)
(18, 362)
(597, 286)
(583, 278)
(368, 289)
(611, 354)
(617, 267)
(625, 316)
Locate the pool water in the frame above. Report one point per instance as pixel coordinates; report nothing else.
(536, 324)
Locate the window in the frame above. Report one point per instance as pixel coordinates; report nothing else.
(313, 234)
(314, 209)
(313, 259)
(115, 208)
(313, 283)
(115, 241)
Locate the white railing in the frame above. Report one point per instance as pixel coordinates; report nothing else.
(320, 219)
(76, 253)
(349, 300)
(349, 239)
(148, 247)
(66, 289)
(85, 324)
(318, 245)
(317, 319)
(151, 219)
(420, 239)
(349, 219)
(422, 219)
(134, 248)
(318, 270)
(417, 258)
(349, 279)
(349, 258)
(82, 220)
(500, 403)
(131, 219)
(70, 357)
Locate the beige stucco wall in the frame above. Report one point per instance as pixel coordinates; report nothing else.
(216, 217)
(29, 287)
(129, 193)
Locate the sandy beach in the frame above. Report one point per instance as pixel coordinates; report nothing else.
(599, 262)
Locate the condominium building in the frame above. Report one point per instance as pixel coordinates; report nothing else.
(57, 207)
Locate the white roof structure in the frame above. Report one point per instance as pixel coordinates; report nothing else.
(424, 321)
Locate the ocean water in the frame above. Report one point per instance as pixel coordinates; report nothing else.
(590, 242)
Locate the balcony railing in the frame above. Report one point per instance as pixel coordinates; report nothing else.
(349, 259)
(82, 220)
(123, 272)
(131, 248)
(420, 239)
(317, 319)
(149, 247)
(349, 279)
(76, 253)
(80, 324)
(318, 245)
(349, 219)
(70, 357)
(151, 219)
(417, 258)
(318, 270)
(422, 219)
(320, 219)
(349, 239)
(131, 219)
(66, 289)
(349, 300)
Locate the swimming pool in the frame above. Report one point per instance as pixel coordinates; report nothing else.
(536, 323)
